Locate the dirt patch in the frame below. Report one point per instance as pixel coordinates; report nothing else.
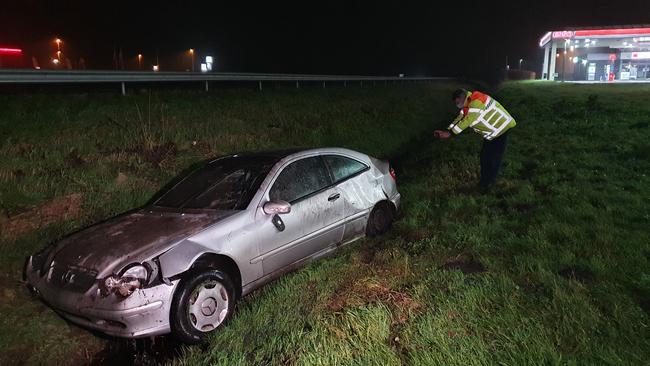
(159, 153)
(121, 178)
(416, 234)
(56, 210)
(74, 160)
(369, 291)
(148, 351)
(577, 274)
(464, 264)
(19, 149)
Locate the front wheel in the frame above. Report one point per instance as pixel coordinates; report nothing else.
(203, 302)
(380, 219)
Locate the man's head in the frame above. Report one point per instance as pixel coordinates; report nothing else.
(459, 97)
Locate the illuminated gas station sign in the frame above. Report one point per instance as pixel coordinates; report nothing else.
(563, 34)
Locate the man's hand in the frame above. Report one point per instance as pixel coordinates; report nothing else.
(441, 134)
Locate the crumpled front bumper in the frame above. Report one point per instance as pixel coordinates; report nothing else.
(145, 313)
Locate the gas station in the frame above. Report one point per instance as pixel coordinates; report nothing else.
(597, 54)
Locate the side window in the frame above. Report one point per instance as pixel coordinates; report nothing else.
(300, 179)
(343, 167)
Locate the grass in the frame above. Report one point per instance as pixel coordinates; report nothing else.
(550, 268)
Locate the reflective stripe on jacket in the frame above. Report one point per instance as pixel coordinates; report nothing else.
(484, 115)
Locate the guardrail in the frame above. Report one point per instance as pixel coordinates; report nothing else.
(16, 77)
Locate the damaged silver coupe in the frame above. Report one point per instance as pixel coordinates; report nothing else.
(230, 226)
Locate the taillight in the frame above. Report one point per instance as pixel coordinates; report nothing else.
(392, 174)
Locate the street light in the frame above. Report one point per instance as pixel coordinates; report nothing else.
(139, 61)
(192, 57)
(520, 61)
(58, 42)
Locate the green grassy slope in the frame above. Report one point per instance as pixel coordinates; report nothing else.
(550, 268)
(67, 161)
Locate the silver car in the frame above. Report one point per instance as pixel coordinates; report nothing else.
(230, 226)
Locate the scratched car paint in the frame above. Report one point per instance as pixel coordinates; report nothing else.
(179, 264)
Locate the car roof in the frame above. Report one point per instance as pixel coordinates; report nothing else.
(282, 154)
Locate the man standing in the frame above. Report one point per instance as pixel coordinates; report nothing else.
(488, 118)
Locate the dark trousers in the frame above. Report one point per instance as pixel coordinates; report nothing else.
(491, 157)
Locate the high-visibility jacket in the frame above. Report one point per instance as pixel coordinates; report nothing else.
(484, 115)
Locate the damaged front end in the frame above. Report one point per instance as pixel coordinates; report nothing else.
(126, 309)
(104, 277)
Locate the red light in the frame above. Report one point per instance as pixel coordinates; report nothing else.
(10, 51)
(392, 174)
(612, 32)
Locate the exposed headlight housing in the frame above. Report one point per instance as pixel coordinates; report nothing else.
(133, 277)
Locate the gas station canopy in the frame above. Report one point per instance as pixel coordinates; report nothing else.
(597, 54)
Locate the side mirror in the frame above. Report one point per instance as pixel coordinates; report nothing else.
(277, 207)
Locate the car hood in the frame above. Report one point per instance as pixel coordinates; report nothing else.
(128, 238)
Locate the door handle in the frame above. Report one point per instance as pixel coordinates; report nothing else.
(334, 197)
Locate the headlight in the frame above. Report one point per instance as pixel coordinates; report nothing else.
(133, 277)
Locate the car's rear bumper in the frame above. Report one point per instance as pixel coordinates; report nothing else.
(144, 313)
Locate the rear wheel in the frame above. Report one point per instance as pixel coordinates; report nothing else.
(380, 219)
(202, 303)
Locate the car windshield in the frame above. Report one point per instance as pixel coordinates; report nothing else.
(224, 184)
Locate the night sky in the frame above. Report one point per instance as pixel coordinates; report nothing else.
(455, 38)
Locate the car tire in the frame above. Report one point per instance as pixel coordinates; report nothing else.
(203, 302)
(380, 219)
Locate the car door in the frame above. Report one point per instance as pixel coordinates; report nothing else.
(315, 221)
(347, 176)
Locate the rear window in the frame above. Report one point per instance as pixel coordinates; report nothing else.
(343, 167)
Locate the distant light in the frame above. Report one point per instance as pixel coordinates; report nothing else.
(13, 51)
(37, 67)
(208, 59)
(557, 55)
(156, 68)
(575, 60)
(139, 55)
(587, 40)
(624, 43)
(58, 41)
(584, 62)
(191, 50)
(55, 61)
(571, 48)
(204, 67)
